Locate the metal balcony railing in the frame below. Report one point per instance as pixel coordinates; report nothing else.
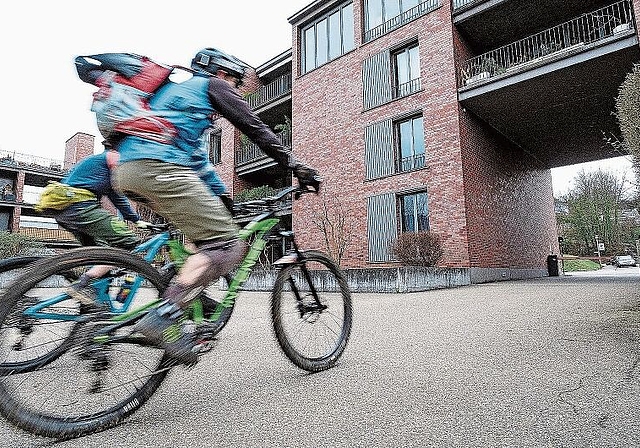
(552, 44)
(423, 7)
(406, 88)
(272, 91)
(413, 162)
(457, 4)
(249, 151)
(15, 159)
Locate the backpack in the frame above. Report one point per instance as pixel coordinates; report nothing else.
(58, 196)
(125, 86)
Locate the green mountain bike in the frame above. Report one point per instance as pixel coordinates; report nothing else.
(105, 370)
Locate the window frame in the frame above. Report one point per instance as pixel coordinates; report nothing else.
(214, 142)
(397, 143)
(388, 24)
(305, 67)
(413, 84)
(401, 207)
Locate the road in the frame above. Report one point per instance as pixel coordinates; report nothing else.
(549, 362)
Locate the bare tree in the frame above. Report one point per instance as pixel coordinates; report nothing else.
(628, 114)
(332, 220)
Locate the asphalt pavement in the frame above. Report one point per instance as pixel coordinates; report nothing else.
(550, 362)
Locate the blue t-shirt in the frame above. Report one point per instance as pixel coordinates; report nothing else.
(93, 174)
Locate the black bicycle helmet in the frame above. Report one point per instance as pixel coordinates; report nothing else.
(210, 60)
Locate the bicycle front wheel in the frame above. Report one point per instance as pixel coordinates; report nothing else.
(311, 311)
(105, 372)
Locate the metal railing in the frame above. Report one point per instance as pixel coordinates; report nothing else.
(423, 7)
(413, 162)
(16, 159)
(249, 151)
(406, 88)
(272, 91)
(457, 4)
(552, 44)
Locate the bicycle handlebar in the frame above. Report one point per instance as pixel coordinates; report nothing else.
(268, 202)
(157, 228)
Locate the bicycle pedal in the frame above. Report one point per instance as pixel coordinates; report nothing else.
(205, 346)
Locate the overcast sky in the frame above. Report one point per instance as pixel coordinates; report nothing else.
(42, 101)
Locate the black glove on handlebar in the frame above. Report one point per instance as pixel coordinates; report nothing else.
(307, 176)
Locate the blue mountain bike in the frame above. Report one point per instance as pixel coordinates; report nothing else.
(105, 370)
(44, 327)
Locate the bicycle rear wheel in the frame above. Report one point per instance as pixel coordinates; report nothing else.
(311, 311)
(36, 341)
(94, 384)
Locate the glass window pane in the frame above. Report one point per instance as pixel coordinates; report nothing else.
(322, 44)
(374, 13)
(414, 63)
(335, 46)
(418, 136)
(422, 209)
(391, 9)
(408, 4)
(309, 61)
(347, 28)
(402, 68)
(408, 210)
(406, 140)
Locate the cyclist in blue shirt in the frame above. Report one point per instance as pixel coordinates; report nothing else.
(75, 203)
(166, 175)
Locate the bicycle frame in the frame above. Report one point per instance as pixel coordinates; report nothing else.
(150, 248)
(259, 228)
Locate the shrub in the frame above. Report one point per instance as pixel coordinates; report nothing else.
(418, 249)
(13, 244)
(255, 193)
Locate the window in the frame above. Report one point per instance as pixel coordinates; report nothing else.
(390, 74)
(394, 146)
(410, 142)
(382, 16)
(215, 146)
(406, 71)
(414, 211)
(327, 38)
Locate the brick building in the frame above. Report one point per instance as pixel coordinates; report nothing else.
(442, 116)
(435, 115)
(22, 178)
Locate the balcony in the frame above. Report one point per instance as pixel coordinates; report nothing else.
(31, 162)
(275, 90)
(553, 92)
(574, 36)
(423, 8)
(250, 158)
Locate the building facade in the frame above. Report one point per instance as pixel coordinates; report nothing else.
(440, 116)
(433, 115)
(22, 179)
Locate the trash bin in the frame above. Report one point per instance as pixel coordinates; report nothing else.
(552, 265)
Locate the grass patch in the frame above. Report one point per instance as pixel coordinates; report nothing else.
(580, 265)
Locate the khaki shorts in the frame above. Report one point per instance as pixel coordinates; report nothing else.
(179, 195)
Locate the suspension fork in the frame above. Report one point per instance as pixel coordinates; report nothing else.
(305, 273)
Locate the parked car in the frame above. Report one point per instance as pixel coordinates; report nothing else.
(624, 261)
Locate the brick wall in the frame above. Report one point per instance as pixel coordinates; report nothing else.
(77, 148)
(328, 131)
(509, 201)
